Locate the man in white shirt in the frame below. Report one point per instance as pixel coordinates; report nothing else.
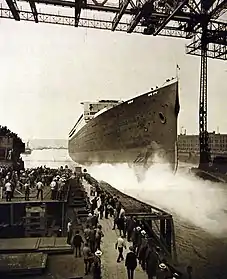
(122, 213)
(39, 186)
(53, 187)
(8, 187)
(27, 190)
(120, 245)
(69, 232)
(61, 188)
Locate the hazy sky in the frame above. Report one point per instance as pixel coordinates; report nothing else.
(47, 70)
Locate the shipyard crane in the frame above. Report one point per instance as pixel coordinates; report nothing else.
(201, 21)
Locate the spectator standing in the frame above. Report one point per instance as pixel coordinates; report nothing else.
(97, 265)
(120, 245)
(40, 187)
(69, 232)
(87, 258)
(8, 188)
(77, 242)
(131, 263)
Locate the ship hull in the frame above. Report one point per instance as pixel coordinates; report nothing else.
(132, 132)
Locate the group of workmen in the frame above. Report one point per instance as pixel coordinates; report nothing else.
(33, 180)
(141, 249)
(91, 241)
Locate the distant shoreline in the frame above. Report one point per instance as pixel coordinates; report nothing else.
(44, 148)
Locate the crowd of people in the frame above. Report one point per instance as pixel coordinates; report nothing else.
(132, 232)
(34, 180)
(142, 250)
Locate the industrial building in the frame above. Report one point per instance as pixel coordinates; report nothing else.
(190, 143)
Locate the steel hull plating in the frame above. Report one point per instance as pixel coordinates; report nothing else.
(132, 132)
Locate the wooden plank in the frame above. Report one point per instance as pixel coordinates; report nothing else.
(61, 242)
(34, 244)
(46, 242)
(18, 244)
(25, 263)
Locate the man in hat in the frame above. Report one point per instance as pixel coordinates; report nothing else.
(135, 236)
(131, 262)
(163, 272)
(97, 265)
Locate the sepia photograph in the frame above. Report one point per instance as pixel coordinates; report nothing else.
(113, 139)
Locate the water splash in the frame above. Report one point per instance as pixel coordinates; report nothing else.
(199, 202)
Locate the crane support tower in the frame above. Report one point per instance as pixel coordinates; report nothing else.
(201, 21)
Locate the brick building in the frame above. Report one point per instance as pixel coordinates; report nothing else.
(190, 143)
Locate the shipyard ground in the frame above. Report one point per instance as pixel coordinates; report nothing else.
(20, 197)
(206, 253)
(52, 257)
(67, 266)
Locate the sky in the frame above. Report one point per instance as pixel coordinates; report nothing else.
(47, 70)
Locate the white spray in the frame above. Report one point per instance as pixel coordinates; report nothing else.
(199, 202)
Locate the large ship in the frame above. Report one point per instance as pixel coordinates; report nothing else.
(132, 131)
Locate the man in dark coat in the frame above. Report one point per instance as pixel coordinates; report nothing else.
(92, 239)
(131, 263)
(120, 224)
(77, 242)
(142, 251)
(151, 263)
(131, 224)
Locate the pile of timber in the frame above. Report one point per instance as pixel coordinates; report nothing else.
(130, 204)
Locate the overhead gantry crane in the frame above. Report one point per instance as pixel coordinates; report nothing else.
(202, 21)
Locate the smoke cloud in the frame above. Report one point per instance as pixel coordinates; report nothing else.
(201, 203)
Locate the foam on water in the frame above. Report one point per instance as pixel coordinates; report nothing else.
(199, 202)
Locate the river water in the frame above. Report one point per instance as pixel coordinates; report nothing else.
(199, 208)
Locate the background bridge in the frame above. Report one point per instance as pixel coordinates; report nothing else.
(201, 21)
